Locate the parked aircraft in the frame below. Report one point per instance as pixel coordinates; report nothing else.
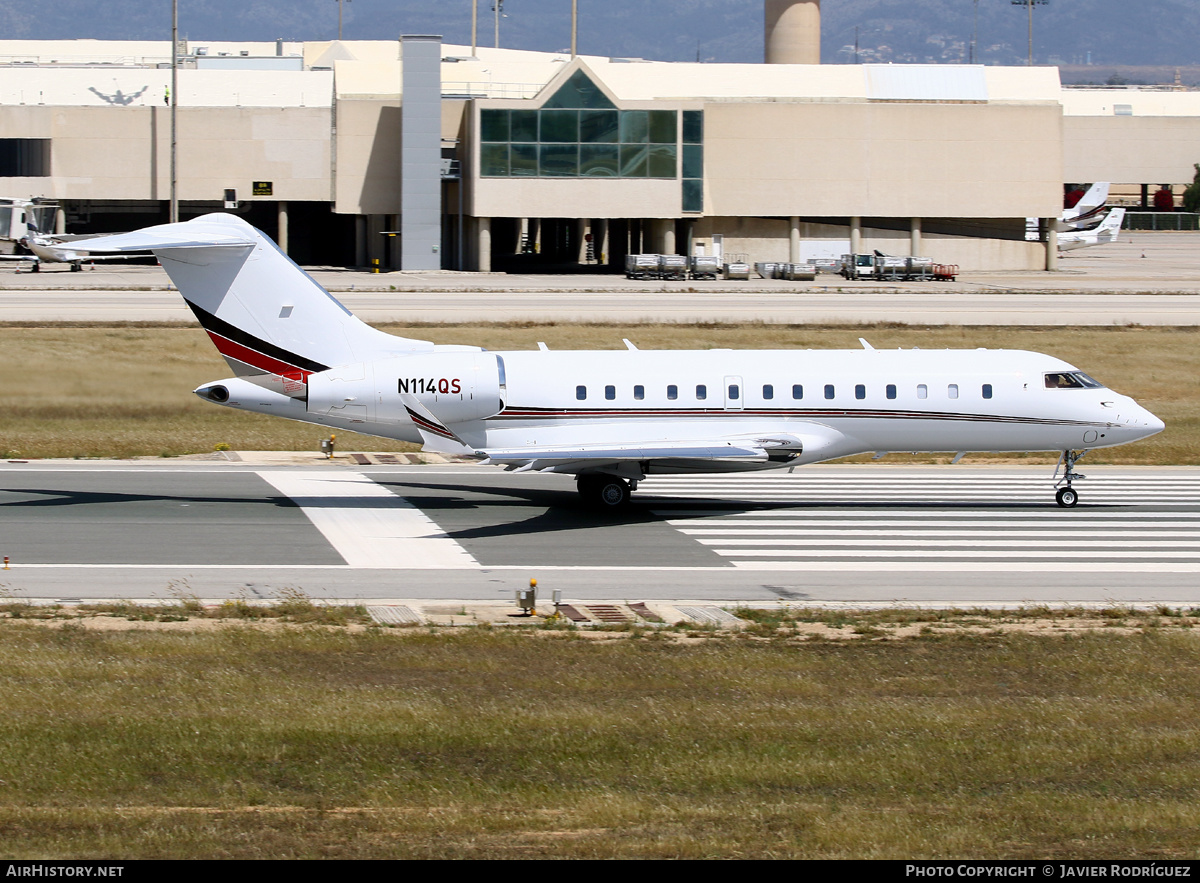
(613, 417)
(1088, 210)
(54, 250)
(1103, 233)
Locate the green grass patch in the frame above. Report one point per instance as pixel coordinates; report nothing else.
(304, 742)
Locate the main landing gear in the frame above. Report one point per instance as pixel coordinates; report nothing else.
(605, 492)
(1067, 496)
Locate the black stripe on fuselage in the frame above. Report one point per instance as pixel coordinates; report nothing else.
(237, 335)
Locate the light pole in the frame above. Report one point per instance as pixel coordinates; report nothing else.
(1030, 4)
(574, 26)
(498, 9)
(174, 210)
(339, 3)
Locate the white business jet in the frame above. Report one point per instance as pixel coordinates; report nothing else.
(1102, 234)
(1087, 211)
(613, 417)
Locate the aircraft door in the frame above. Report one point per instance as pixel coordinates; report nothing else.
(733, 393)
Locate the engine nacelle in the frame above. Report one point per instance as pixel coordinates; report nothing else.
(455, 386)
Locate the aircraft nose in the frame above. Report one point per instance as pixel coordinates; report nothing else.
(1146, 424)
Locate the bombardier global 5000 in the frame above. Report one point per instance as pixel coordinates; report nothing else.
(612, 417)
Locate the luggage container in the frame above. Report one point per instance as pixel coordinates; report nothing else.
(768, 269)
(705, 266)
(799, 272)
(641, 266)
(826, 265)
(672, 266)
(737, 270)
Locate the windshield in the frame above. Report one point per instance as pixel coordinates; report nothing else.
(1071, 380)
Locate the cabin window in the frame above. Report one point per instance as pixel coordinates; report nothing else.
(581, 392)
(797, 391)
(701, 392)
(735, 392)
(768, 391)
(922, 391)
(828, 390)
(860, 391)
(672, 392)
(639, 392)
(891, 390)
(610, 392)
(952, 390)
(987, 390)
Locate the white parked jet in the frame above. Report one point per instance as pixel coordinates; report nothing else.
(1103, 233)
(613, 417)
(1088, 210)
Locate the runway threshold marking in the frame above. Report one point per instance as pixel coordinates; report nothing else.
(367, 524)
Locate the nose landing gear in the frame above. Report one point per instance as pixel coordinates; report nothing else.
(1066, 496)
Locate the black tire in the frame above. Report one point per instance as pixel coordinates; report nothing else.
(606, 492)
(1067, 497)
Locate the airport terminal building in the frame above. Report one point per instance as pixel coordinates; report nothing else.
(412, 154)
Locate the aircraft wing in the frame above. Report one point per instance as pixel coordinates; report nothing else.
(581, 457)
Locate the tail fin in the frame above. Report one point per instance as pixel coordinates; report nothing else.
(267, 317)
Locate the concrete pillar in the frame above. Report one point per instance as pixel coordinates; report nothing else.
(855, 235)
(483, 227)
(282, 239)
(600, 239)
(793, 240)
(667, 236)
(60, 220)
(792, 31)
(581, 230)
(914, 235)
(360, 241)
(522, 235)
(535, 235)
(1051, 243)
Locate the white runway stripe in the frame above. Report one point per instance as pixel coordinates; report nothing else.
(922, 524)
(367, 524)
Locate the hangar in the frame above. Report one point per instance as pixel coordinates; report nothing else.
(412, 154)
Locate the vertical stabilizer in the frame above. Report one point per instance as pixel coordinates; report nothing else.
(267, 316)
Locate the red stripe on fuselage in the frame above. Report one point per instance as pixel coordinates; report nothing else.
(233, 350)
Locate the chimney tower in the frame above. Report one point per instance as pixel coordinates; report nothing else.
(793, 31)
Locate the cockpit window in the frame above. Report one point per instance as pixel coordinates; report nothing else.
(1071, 380)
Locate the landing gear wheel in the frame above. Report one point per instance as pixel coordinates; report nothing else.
(1067, 497)
(607, 492)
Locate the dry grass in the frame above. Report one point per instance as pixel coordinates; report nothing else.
(310, 742)
(125, 390)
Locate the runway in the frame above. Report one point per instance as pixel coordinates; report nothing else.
(962, 535)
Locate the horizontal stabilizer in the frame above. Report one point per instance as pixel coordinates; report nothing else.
(193, 234)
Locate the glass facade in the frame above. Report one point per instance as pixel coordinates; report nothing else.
(580, 133)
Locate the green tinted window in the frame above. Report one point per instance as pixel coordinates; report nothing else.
(635, 127)
(560, 126)
(693, 127)
(661, 161)
(523, 159)
(693, 196)
(598, 126)
(493, 125)
(493, 160)
(693, 161)
(524, 125)
(599, 160)
(578, 91)
(634, 160)
(559, 161)
(662, 127)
